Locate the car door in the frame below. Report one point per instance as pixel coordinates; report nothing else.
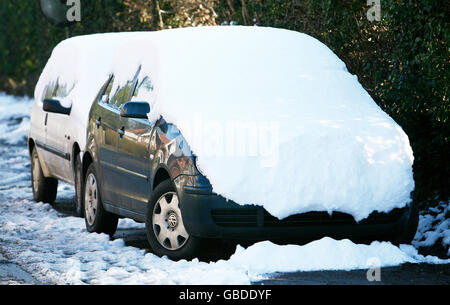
(134, 159)
(108, 120)
(134, 156)
(57, 143)
(116, 94)
(57, 140)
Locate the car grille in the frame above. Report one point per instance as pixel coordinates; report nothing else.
(257, 217)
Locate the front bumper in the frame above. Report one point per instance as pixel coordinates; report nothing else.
(209, 215)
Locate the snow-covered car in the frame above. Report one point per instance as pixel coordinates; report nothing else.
(219, 132)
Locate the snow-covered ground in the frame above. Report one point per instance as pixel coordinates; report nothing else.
(55, 248)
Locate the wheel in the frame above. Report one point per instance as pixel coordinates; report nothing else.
(44, 189)
(406, 235)
(79, 208)
(97, 219)
(164, 225)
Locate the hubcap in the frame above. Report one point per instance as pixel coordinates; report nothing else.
(90, 199)
(172, 220)
(167, 222)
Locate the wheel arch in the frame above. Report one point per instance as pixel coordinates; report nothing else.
(85, 162)
(161, 175)
(75, 151)
(31, 145)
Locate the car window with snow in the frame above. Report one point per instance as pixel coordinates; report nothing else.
(58, 90)
(121, 94)
(63, 90)
(106, 95)
(50, 90)
(144, 90)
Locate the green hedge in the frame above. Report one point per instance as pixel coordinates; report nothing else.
(402, 60)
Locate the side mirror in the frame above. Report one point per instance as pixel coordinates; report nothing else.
(51, 105)
(136, 110)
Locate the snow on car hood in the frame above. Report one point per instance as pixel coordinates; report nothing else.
(273, 116)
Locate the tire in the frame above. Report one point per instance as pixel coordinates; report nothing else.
(164, 226)
(406, 235)
(44, 189)
(79, 198)
(97, 219)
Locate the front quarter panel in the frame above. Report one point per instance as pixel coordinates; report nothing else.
(169, 150)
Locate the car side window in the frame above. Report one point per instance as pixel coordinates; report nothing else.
(105, 95)
(116, 94)
(122, 94)
(62, 90)
(57, 90)
(144, 90)
(50, 90)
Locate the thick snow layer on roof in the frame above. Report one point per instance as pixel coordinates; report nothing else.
(273, 115)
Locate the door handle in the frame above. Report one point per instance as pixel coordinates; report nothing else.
(98, 122)
(121, 131)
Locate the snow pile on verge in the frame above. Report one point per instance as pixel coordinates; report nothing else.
(273, 115)
(434, 226)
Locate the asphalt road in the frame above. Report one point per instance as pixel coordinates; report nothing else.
(406, 274)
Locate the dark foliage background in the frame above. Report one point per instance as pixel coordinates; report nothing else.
(402, 60)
